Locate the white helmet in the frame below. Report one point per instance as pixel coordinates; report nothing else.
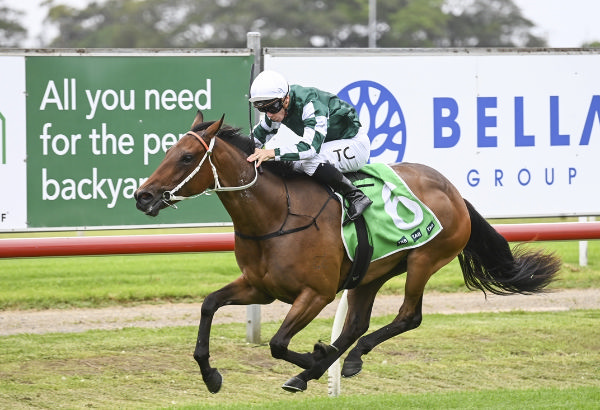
(268, 85)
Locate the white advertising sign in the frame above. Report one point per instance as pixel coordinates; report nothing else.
(518, 133)
(13, 200)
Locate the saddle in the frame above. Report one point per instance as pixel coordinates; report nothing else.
(401, 219)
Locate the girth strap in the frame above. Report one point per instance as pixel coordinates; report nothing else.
(362, 255)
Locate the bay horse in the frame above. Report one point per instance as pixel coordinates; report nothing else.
(289, 247)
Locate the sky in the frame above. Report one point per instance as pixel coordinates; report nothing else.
(563, 23)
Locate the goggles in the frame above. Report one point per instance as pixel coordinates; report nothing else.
(271, 106)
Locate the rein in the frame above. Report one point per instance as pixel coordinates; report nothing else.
(169, 196)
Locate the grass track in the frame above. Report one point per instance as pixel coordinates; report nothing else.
(550, 360)
(493, 361)
(568, 399)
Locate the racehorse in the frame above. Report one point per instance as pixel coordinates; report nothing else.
(288, 247)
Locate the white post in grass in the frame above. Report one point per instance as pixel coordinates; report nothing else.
(253, 311)
(333, 373)
(583, 245)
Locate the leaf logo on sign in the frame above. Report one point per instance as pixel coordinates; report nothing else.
(381, 114)
(391, 208)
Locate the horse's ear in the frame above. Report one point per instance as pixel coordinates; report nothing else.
(199, 119)
(214, 127)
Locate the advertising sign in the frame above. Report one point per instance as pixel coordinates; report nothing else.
(13, 210)
(97, 126)
(518, 133)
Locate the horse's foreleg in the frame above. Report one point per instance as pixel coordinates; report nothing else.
(304, 309)
(239, 292)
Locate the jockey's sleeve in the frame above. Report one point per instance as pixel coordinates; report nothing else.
(314, 119)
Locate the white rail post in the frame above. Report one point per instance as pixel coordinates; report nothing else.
(253, 311)
(583, 245)
(333, 373)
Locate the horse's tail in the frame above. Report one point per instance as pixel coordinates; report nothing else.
(488, 264)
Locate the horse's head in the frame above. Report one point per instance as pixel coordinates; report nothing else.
(185, 171)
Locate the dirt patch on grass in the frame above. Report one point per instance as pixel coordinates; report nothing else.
(188, 314)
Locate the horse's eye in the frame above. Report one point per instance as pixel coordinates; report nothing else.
(187, 158)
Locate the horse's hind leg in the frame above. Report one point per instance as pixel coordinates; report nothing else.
(420, 266)
(360, 305)
(408, 318)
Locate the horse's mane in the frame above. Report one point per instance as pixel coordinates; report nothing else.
(245, 144)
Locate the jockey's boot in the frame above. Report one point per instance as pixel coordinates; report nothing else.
(330, 175)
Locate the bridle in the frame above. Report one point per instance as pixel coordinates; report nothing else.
(169, 196)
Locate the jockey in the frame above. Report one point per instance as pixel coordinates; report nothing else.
(328, 140)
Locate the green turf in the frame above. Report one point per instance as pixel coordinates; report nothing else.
(537, 360)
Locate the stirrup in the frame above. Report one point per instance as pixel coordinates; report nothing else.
(357, 206)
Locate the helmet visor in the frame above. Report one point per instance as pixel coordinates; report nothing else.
(271, 106)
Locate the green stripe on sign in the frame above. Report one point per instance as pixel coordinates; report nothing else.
(3, 137)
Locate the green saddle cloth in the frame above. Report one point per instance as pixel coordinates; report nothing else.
(397, 219)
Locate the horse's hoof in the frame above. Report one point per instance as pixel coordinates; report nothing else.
(295, 384)
(213, 381)
(350, 369)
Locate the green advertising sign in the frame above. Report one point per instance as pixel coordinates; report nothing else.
(97, 126)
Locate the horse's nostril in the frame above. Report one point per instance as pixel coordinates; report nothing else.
(143, 197)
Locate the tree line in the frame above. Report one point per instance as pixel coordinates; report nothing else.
(293, 23)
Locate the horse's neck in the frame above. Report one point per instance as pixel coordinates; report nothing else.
(255, 209)
(259, 209)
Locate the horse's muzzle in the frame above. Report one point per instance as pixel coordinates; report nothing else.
(147, 202)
